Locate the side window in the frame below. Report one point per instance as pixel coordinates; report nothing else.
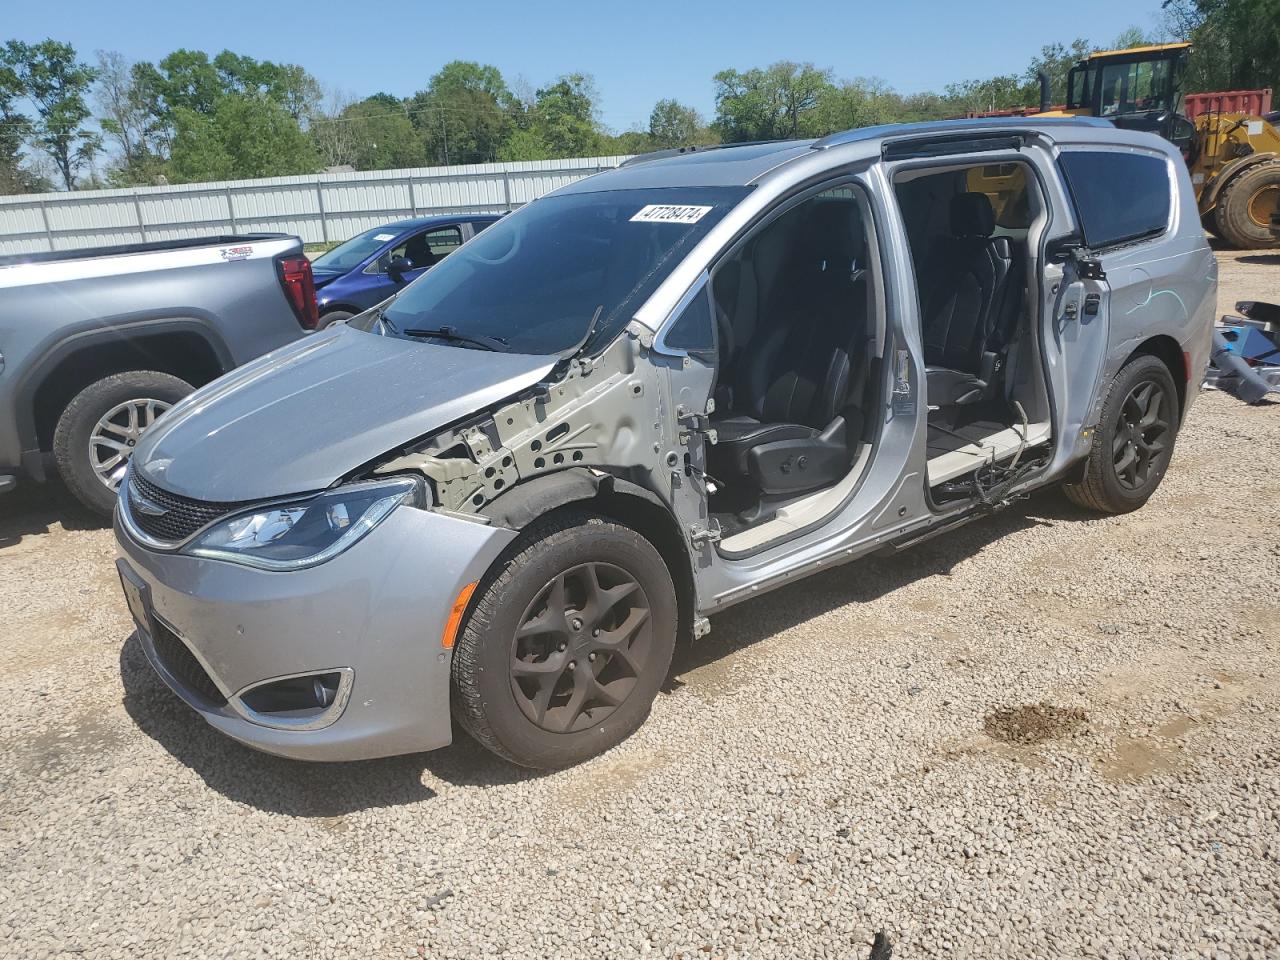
(421, 249)
(478, 225)
(693, 330)
(1120, 197)
(441, 243)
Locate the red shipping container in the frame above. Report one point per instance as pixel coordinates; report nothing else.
(1255, 102)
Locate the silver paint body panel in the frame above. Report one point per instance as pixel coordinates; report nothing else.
(307, 416)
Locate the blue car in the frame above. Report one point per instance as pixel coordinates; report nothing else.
(373, 265)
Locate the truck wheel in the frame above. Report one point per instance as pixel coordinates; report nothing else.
(100, 427)
(567, 642)
(1133, 442)
(1243, 215)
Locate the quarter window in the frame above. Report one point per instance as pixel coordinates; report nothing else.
(693, 330)
(1120, 197)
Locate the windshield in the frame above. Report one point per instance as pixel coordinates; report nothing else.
(349, 255)
(533, 281)
(1141, 87)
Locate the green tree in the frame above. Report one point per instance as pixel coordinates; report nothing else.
(385, 136)
(184, 80)
(125, 118)
(245, 136)
(672, 124)
(861, 102)
(1056, 59)
(995, 93)
(768, 104)
(1236, 43)
(628, 142)
(56, 83)
(285, 83)
(187, 80)
(465, 113)
(14, 130)
(561, 122)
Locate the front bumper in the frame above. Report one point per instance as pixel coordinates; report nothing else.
(375, 613)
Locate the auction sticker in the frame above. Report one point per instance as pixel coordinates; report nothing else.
(669, 213)
(384, 237)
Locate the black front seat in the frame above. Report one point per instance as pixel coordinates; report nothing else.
(805, 368)
(974, 291)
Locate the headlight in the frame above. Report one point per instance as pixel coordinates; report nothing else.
(291, 536)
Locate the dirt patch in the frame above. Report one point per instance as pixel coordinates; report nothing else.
(1033, 723)
(1135, 759)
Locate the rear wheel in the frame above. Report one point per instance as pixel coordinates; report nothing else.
(564, 651)
(98, 431)
(1133, 443)
(1243, 215)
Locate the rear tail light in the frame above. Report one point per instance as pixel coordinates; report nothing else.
(300, 289)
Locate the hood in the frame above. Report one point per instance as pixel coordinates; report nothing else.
(302, 416)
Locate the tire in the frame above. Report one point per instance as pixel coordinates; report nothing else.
(1111, 483)
(81, 420)
(1243, 214)
(333, 316)
(502, 682)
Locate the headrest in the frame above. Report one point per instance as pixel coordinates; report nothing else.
(834, 232)
(972, 215)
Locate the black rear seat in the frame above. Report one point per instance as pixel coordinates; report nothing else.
(971, 296)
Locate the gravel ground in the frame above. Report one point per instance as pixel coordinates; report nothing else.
(1043, 735)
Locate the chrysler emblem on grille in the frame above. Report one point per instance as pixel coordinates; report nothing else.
(145, 504)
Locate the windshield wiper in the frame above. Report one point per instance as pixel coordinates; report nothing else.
(381, 317)
(496, 344)
(591, 328)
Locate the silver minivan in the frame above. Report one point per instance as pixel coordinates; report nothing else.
(504, 495)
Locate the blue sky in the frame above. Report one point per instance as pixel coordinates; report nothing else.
(637, 51)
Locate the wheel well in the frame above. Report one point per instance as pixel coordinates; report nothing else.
(1170, 353)
(344, 307)
(183, 354)
(654, 521)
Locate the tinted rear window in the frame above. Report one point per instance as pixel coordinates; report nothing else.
(1120, 197)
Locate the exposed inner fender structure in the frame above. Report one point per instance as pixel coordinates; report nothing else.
(562, 441)
(530, 500)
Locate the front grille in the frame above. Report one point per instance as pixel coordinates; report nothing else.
(183, 665)
(178, 517)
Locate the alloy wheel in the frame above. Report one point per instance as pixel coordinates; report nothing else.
(1142, 434)
(116, 434)
(582, 644)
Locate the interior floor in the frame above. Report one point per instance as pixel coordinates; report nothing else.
(955, 452)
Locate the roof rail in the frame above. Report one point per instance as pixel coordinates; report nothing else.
(682, 151)
(932, 128)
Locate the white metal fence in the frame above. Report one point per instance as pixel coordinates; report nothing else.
(319, 208)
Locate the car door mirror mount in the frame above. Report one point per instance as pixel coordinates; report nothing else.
(397, 267)
(1072, 248)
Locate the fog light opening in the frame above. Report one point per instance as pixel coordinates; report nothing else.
(305, 701)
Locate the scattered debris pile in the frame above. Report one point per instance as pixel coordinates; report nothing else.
(1245, 359)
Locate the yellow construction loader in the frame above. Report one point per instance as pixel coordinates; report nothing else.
(1232, 151)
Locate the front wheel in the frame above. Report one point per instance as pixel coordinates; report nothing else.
(97, 432)
(1133, 442)
(567, 644)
